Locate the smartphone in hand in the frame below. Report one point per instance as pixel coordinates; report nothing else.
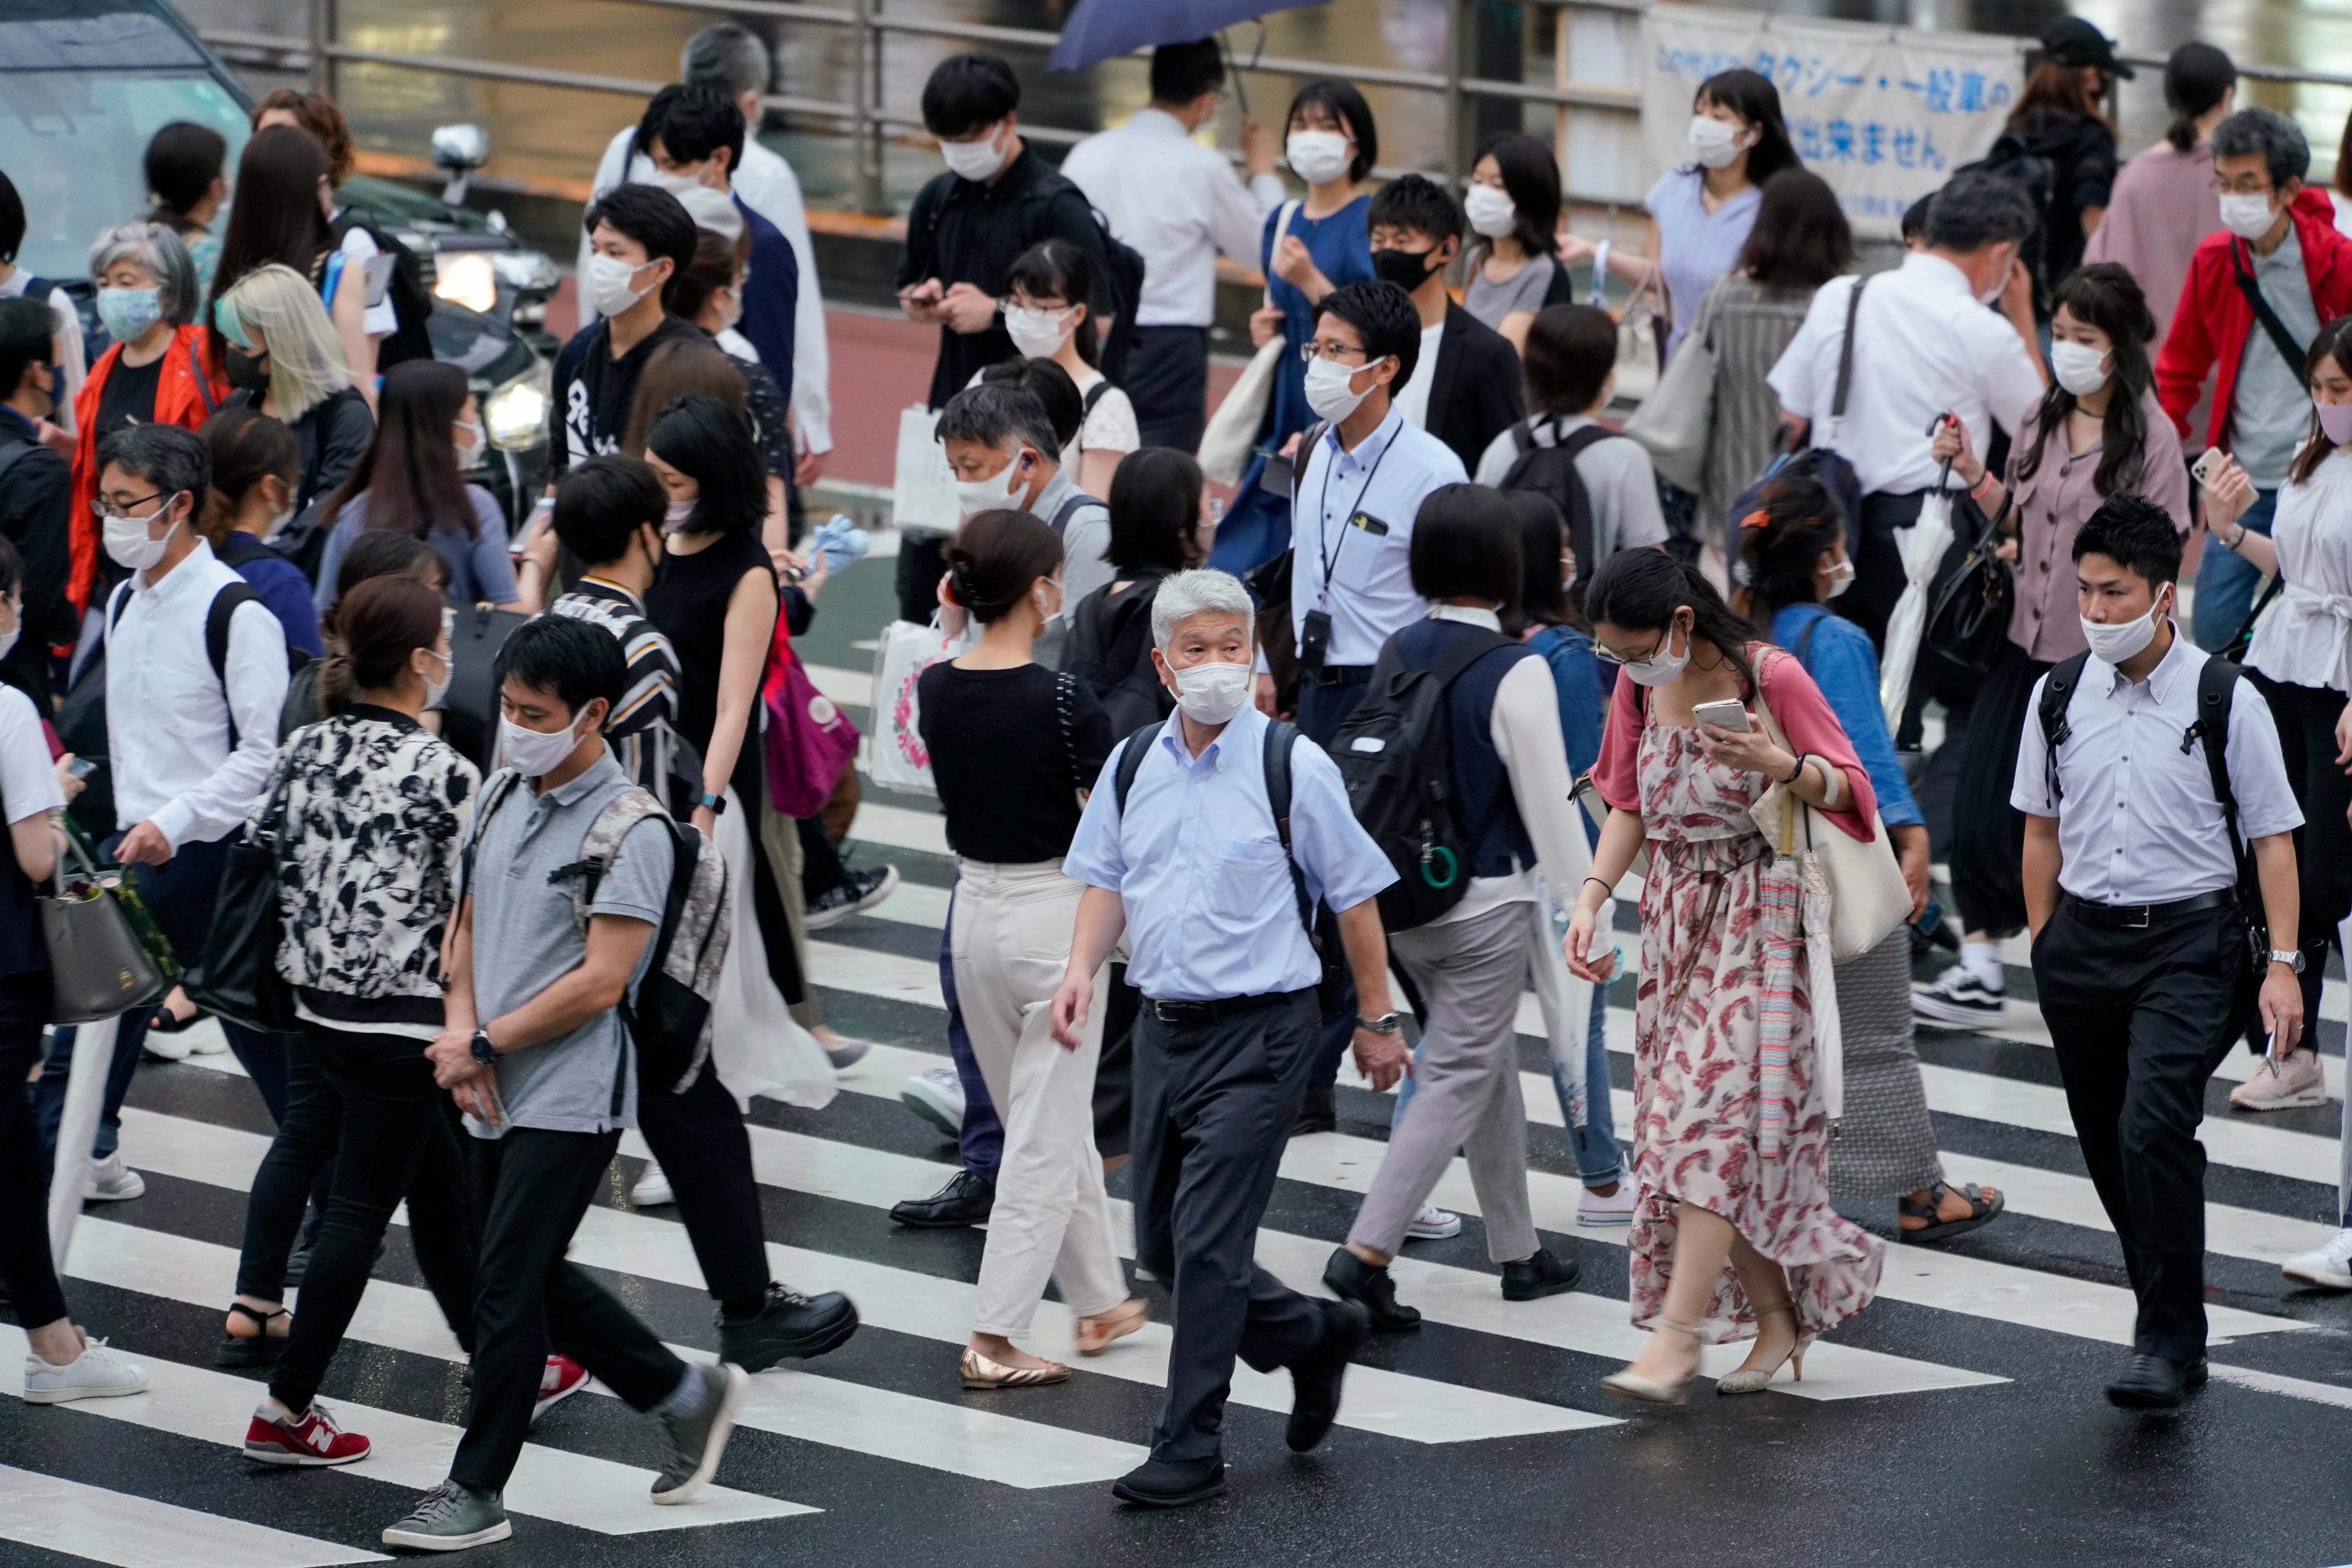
(1728, 713)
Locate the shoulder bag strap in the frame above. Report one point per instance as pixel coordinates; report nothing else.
(1281, 229)
(203, 381)
(1846, 350)
(2281, 339)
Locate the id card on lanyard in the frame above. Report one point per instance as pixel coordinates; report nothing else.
(1314, 630)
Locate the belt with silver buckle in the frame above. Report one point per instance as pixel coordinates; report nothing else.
(2140, 916)
(1182, 1015)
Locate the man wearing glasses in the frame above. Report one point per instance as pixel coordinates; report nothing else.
(2259, 290)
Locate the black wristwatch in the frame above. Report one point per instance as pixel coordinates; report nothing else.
(718, 803)
(484, 1053)
(1387, 1023)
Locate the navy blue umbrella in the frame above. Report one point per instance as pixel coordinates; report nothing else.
(1101, 29)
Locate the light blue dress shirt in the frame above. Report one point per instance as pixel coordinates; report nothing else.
(1385, 479)
(1211, 913)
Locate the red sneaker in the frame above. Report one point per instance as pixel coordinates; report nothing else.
(563, 1378)
(310, 1438)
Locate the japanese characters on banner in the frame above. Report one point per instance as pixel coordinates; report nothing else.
(1883, 114)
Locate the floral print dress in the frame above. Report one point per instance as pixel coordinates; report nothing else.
(1715, 968)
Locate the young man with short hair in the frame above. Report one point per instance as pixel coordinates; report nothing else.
(536, 1055)
(1465, 388)
(2139, 874)
(36, 494)
(640, 237)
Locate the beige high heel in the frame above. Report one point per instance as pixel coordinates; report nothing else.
(1754, 1380)
(980, 1372)
(1096, 1333)
(1633, 1385)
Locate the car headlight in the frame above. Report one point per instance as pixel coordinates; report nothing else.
(465, 279)
(525, 269)
(516, 414)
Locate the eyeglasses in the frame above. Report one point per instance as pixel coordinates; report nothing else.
(2222, 185)
(100, 507)
(1310, 351)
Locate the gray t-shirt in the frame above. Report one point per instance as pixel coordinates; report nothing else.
(1491, 302)
(2270, 412)
(1618, 479)
(525, 940)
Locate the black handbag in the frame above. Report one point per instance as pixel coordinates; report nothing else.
(97, 969)
(1970, 619)
(236, 978)
(469, 712)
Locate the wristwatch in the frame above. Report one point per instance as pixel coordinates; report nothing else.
(484, 1053)
(718, 803)
(1387, 1023)
(2292, 958)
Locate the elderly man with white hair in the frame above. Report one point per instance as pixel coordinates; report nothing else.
(1208, 839)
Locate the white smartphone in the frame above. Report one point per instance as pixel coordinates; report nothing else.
(2208, 462)
(1728, 713)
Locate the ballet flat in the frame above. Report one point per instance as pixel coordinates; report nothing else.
(1096, 1333)
(1630, 1385)
(1754, 1380)
(980, 1372)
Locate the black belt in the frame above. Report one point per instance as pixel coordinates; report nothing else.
(2140, 916)
(1193, 1014)
(1339, 675)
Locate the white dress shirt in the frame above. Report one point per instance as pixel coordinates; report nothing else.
(1351, 524)
(167, 719)
(770, 188)
(1922, 344)
(70, 353)
(1211, 910)
(2305, 638)
(1412, 400)
(2138, 822)
(1178, 204)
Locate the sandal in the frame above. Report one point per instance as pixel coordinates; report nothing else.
(1982, 1211)
(166, 1021)
(1755, 1380)
(1630, 1385)
(259, 1348)
(1096, 1333)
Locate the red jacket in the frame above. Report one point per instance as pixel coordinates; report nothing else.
(180, 400)
(2210, 323)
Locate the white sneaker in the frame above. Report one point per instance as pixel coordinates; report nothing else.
(936, 1096)
(96, 1373)
(653, 1189)
(1617, 1209)
(1432, 1224)
(110, 1181)
(207, 1042)
(2330, 1267)
(167, 1047)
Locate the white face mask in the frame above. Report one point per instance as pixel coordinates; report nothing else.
(1490, 210)
(535, 753)
(2080, 368)
(1991, 295)
(975, 160)
(436, 690)
(1318, 157)
(1048, 605)
(127, 542)
(1212, 693)
(1715, 143)
(1327, 393)
(8, 638)
(2248, 217)
(2112, 643)
(677, 515)
(1841, 578)
(1662, 665)
(1039, 334)
(611, 285)
(989, 494)
(469, 451)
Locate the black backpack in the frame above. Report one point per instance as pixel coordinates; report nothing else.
(412, 302)
(1396, 754)
(1109, 649)
(1552, 471)
(2217, 683)
(2012, 159)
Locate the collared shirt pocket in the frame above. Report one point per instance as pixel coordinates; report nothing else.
(1245, 876)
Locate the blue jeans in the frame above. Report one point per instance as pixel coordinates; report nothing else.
(2226, 581)
(980, 1140)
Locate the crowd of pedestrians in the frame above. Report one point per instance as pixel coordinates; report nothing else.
(1242, 787)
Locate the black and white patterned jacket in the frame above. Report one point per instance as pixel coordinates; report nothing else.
(375, 813)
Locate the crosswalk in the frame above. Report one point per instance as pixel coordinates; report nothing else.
(836, 1442)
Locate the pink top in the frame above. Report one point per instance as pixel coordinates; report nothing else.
(2163, 203)
(1798, 708)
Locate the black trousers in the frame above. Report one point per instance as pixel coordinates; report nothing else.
(1878, 575)
(535, 1185)
(2305, 716)
(297, 1172)
(397, 1138)
(698, 1138)
(24, 1164)
(1987, 854)
(1168, 381)
(2140, 1018)
(1213, 1107)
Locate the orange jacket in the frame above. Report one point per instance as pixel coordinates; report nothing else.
(181, 399)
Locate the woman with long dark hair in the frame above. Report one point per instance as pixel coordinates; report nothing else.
(1702, 213)
(1045, 311)
(1513, 205)
(428, 437)
(1733, 1233)
(2098, 432)
(283, 214)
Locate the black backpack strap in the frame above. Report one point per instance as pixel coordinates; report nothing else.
(1280, 737)
(1131, 762)
(2216, 688)
(2281, 339)
(1094, 396)
(2057, 694)
(1523, 438)
(203, 382)
(1846, 350)
(501, 785)
(1070, 504)
(224, 606)
(1576, 440)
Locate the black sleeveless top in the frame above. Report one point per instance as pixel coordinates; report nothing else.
(689, 603)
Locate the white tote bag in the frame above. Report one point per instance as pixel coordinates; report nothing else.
(1231, 434)
(755, 1045)
(1868, 897)
(897, 758)
(922, 489)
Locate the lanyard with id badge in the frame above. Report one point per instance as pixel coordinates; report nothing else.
(1315, 631)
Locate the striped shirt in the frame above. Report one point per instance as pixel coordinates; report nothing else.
(643, 730)
(1749, 325)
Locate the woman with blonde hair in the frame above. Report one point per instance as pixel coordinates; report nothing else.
(285, 359)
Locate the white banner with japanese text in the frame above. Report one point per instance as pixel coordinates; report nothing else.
(1883, 114)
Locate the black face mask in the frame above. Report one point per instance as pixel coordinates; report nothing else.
(1408, 269)
(248, 373)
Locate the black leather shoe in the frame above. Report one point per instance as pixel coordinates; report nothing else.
(1315, 1381)
(2156, 1384)
(1351, 1279)
(788, 1324)
(1171, 1483)
(1318, 1113)
(1537, 1276)
(965, 1200)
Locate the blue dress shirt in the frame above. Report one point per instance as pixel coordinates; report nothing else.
(1385, 479)
(1211, 913)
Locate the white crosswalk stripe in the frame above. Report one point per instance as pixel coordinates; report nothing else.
(104, 1525)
